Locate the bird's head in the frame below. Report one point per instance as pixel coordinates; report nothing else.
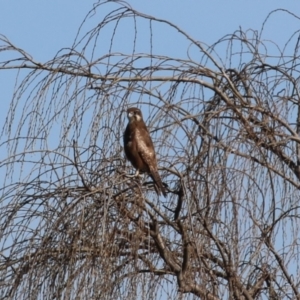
(134, 114)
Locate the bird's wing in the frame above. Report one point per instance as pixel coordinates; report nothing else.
(146, 150)
(145, 147)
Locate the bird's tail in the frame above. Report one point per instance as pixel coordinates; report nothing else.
(158, 185)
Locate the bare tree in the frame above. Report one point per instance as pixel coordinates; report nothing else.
(226, 129)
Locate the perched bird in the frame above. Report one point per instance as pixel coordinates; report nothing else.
(139, 148)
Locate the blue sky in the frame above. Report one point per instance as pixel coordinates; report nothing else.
(42, 28)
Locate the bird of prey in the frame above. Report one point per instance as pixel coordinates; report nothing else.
(139, 148)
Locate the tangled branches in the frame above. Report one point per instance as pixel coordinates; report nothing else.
(74, 225)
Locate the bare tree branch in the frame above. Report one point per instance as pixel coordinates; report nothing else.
(225, 126)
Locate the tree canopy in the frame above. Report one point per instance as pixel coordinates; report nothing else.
(225, 121)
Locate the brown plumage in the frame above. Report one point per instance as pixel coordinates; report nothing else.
(139, 148)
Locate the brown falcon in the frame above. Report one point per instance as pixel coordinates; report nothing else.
(139, 148)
